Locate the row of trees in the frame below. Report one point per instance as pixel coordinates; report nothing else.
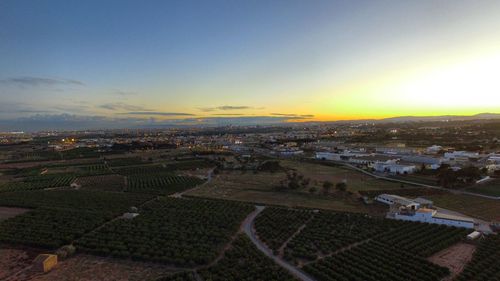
(374, 261)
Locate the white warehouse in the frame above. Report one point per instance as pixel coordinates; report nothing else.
(418, 210)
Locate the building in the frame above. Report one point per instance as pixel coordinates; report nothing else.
(419, 210)
(45, 262)
(393, 168)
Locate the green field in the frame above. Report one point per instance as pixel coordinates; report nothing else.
(491, 188)
(482, 208)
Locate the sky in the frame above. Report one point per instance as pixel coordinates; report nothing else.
(125, 62)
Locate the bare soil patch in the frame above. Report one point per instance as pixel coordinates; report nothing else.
(8, 212)
(89, 268)
(14, 261)
(455, 258)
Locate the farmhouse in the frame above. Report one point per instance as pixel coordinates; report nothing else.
(419, 210)
(45, 262)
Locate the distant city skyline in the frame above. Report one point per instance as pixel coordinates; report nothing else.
(186, 62)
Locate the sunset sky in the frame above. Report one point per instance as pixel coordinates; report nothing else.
(290, 60)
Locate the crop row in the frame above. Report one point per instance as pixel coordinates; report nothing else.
(375, 261)
(245, 262)
(106, 202)
(49, 228)
(161, 184)
(423, 239)
(328, 232)
(183, 232)
(275, 225)
(38, 182)
(485, 264)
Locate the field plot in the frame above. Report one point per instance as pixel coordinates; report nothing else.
(328, 232)
(477, 207)
(182, 232)
(423, 239)
(129, 161)
(13, 261)
(485, 264)
(491, 188)
(39, 182)
(355, 180)
(7, 212)
(244, 262)
(102, 182)
(261, 188)
(49, 228)
(454, 258)
(167, 184)
(86, 268)
(374, 261)
(406, 192)
(107, 202)
(275, 225)
(155, 169)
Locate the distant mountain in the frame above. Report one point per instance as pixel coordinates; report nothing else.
(481, 116)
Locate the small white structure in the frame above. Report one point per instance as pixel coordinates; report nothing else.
(129, 216)
(474, 235)
(391, 199)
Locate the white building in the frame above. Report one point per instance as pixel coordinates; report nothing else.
(394, 168)
(433, 216)
(434, 149)
(412, 210)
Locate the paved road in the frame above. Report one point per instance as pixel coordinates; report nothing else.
(249, 231)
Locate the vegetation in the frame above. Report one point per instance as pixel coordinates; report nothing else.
(182, 232)
(49, 228)
(375, 261)
(275, 225)
(328, 232)
(39, 182)
(423, 239)
(102, 182)
(182, 276)
(166, 184)
(106, 202)
(485, 264)
(244, 262)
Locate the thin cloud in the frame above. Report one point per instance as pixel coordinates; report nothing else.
(225, 107)
(157, 113)
(292, 115)
(124, 93)
(227, 114)
(122, 106)
(30, 81)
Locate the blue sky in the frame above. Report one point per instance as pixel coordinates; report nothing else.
(204, 59)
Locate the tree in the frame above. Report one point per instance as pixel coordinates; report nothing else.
(327, 186)
(341, 186)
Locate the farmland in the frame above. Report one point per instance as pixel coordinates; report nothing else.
(485, 264)
(275, 225)
(482, 208)
(261, 188)
(38, 182)
(107, 202)
(491, 188)
(166, 184)
(244, 262)
(374, 261)
(182, 232)
(49, 228)
(102, 182)
(328, 233)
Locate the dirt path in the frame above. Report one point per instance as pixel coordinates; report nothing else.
(250, 232)
(454, 258)
(281, 250)
(346, 248)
